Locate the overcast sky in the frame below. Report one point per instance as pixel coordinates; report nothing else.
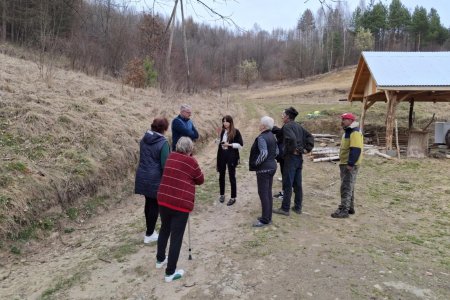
(270, 14)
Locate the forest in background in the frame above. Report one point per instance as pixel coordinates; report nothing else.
(112, 37)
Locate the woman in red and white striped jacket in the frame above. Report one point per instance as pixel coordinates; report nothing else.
(176, 196)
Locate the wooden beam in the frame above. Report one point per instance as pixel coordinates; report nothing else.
(369, 104)
(363, 114)
(357, 78)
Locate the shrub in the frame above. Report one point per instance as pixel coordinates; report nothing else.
(135, 73)
(151, 75)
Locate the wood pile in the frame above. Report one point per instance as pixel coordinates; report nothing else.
(319, 154)
(324, 138)
(325, 154)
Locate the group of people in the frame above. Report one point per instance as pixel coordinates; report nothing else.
(167, 178)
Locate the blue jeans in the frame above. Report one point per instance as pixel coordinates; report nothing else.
(292, 178)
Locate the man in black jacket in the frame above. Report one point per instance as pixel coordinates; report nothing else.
(296, 141)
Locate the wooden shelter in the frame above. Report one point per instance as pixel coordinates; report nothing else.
(394, 77)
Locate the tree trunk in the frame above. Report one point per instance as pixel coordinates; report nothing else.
(171, 26)
(390, 118)
(186, 57)
(4, 21)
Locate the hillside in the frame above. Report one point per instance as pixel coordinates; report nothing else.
(72, 136)
(67, 160)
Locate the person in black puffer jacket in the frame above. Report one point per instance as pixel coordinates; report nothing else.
(154, 150)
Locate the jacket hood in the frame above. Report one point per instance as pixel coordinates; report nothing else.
(353, 125)
(152, 137)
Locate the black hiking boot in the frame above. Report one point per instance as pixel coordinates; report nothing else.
(297, 210)
(281, 211)
(351, 211)
(340, 214)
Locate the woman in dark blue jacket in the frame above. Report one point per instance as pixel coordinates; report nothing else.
(154, 150)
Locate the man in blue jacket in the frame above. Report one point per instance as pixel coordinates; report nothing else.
(182, 126)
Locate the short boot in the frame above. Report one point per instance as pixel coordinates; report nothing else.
(351, 211)
(340, 213)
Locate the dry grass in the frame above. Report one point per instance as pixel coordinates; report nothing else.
(70, 139)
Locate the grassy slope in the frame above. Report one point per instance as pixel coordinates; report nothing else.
(70, 137)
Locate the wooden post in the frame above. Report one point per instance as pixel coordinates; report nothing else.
(397, 144)
(363, 114)
(411, 113)
(390, 117)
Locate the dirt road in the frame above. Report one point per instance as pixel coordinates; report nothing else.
(393, 248)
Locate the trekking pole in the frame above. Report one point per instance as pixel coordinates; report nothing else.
(189, 234)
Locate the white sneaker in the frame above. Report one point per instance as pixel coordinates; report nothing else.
(177, 275)
(151, 238)
(160, 264)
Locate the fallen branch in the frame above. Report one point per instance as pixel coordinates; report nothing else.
(383, 155)
(105, 260)
(326, 158)
(429, 123)
(323, 135)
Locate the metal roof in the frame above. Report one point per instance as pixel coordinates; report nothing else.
(409, 69)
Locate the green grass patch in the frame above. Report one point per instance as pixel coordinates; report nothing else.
(410, 238)
(209, 190)
(79, 163)
(15, 250)
(120, 252)
(17, 166)
(445, 262)
(26, 233)
(9, 140)
(4, 201)
(47, 223)
(260, 239)
(72, 213)
(92, 205)
(69, 230)
(62, 284)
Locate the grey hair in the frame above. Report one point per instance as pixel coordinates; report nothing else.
(185, 107)
(185, 145)
(267, 122)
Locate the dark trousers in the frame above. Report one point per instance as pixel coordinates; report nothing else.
(281, 162)
(348, 180)
(264, 181)
(173, 224)
(231, 175)
(292, 178)
(151, 211)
